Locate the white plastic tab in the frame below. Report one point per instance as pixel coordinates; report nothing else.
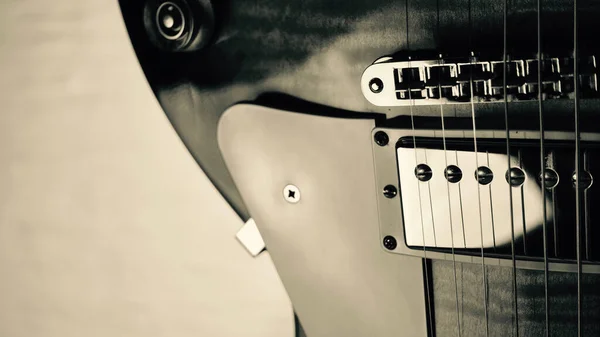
(250, 237)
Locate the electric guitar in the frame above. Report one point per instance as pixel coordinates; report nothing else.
(415, 167)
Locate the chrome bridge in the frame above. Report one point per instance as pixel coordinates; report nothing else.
(417, 81)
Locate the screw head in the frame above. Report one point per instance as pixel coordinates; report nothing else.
(381, 138)
(291, 194)
(390, 191)
(585, 182)
(389, 242)
(550, 178)
(453, 173)
(376, 85)
(423, 172)
(515, 176)
(484, 175)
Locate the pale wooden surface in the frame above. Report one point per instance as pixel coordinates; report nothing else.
(107, 225)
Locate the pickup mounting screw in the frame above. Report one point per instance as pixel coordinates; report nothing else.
(390, 191)
(389, 242)
(381, 138)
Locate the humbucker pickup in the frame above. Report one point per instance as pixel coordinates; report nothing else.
(455, 194)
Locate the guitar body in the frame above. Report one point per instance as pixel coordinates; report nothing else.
(271, 94)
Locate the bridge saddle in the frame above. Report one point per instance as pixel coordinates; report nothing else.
(419, 81)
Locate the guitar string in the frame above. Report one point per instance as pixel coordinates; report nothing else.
(550, 161)
(483, 268)
(447, 181)
(426, 269)
(554, 208)
(586, 214)
(510, 191)
(430, 203)
(476, 152)
(428, 292)
(462, 215)
(487, 158)
(542, 164)
(523, 215)
(577, 165)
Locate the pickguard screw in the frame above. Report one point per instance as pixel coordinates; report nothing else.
(389, 242)
(381, 138)
(390, 191)
(291, 194)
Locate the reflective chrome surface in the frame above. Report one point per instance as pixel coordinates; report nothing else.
(437, 203)
(467, 206)
(434, 81)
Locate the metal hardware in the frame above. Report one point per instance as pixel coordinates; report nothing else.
(453, 173)
(550, 178)
(376, 85)
(291, 194)
(390, 243)
(484, 175)
(449, 80)
(170, 21)
(515, 176)
(406, 220)
(585, 181)
(423, 172)
(390, 191)
(381, 138)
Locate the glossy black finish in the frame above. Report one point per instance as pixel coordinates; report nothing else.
(585, 182)
(484, 175)
(515, 176)
(453, 173)
(423, 172)
(390, 191)
(317, 50)
(376, 85)
(551, 178)
(179, 25)
(381, 138)
(282, 52)
(390, 243)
